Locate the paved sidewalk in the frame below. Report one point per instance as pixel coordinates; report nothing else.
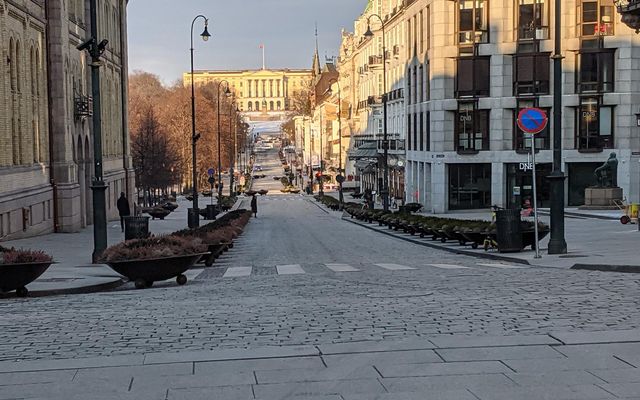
(558, 365)
(73, 271)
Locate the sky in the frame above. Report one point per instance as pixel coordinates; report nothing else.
(159, 33)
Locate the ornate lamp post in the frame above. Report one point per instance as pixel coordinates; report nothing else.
(194, 216)
(227, 93)
(557, 242)
(340, 177)
(630, 11)
(233, 119)
(385, 142)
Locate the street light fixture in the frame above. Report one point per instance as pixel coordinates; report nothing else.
(385, 141)
(194, 216)
(227, 93)
(340, 177)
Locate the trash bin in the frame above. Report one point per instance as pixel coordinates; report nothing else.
(136, 228)
(212, 211)
(193, 217)
(509, 231)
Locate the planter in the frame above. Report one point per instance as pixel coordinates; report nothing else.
(17, 276)
(158, 213)
(145, 272)
(170, 206)
(215, 250)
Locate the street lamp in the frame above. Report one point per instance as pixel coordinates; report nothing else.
(630, 11)
(227, 93)
(557, 242)
(233, 112)
(194, 216)
(340, 177)
(321, 183)
(385, 142)
(98, 187)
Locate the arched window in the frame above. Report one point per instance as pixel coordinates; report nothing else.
(250, 106)
(32, 70)
(12, 63)
(271, 106)
(17, 67)
(257, 106)
(279, 105)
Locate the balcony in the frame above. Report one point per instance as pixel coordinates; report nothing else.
(396, 146)
(374, 100)
(375, 61)
(396, 51)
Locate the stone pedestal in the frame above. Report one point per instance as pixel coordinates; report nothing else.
(601, 198)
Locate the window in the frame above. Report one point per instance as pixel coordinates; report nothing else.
(417, 131)
(473, 19)
(410, 146)
(531, 74)
(469, 186)
(533, 19)
(473, 77)
(250, 106)
(596, 71)
(422, 131)
(595, 125)
(596, 17)
(421, 32)
(522, 140)
(471, 128)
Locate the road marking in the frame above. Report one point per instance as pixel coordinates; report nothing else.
(234, 272)
(290, 269)
(394, 267)
(341, 268)
(503, 266)
(448, 266)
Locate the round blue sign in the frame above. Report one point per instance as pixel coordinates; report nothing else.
(211, 171)
(532, 120)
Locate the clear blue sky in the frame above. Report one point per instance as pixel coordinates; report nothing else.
(159, 33)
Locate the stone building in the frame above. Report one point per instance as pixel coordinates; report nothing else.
(264, 94)
(46, 161)
(459, 72)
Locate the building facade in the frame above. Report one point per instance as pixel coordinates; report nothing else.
(46, 161)
(460, 72)
(265, 94)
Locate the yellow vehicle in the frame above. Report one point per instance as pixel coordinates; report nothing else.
(630, 211)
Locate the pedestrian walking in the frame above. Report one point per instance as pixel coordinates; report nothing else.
(123, 209)
(254, 206)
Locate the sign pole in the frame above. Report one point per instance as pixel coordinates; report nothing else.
(535, 195)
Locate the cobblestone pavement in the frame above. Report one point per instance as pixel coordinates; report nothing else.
(314, 279)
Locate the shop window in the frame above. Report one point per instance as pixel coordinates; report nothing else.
(533, 19)
(473, 78)
(473, 21)
(469, 186)
(596, 71)
(519, 188)
(596, 17)
(594, 125)
(522, 140)
(471, 129)
(531, 74)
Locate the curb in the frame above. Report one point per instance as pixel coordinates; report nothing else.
(449, 249)
(629, 269)
(585, 216)
(101, 287)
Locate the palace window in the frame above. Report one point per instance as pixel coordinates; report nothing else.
(473, 77)
(471, 128)
(531, 73)
(596, 17)
(596, 70)
(473, 21)
(533, 19)
(594, 125)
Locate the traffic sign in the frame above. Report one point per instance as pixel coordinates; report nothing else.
(532, 120)
(340, 179)
(211, 171)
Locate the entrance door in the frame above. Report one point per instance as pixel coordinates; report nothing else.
(520, 185)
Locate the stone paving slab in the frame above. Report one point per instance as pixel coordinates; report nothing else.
(231, 354)
(442, 368)
(546, 392)
(629, 335)
(61, 364)
(372, 346)
(565, 364)
(294, 390)
(383, 358)
(460, 394)
(459, 341)
(244, 392)
(337, 373)
(498, 353)
(430, 384)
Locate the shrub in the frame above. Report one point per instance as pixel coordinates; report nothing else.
(154, 247)
(22, 256)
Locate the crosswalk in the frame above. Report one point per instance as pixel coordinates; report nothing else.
(233, 271)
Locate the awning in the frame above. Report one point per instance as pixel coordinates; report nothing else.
(366, 150)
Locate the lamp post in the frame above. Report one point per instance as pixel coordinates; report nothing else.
(557, 242)
(194, 217)
(227, 92)
(630, 11)
(340, 177)
(321, 183)
(98, 186)
(234, 113)
(385, 141)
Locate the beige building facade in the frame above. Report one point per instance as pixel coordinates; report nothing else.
(46, 160)
(264, 94)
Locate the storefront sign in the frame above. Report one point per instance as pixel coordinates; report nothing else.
(526, 166)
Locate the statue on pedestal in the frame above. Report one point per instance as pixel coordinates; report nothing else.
(607, 173)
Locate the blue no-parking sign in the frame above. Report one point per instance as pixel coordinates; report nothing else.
(532, 120)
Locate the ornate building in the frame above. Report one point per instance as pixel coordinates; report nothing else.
(264, 94)
(46, 160)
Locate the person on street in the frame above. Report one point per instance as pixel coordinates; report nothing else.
(123, 209)
(254, 206)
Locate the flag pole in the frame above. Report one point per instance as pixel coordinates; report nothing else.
(263, 63)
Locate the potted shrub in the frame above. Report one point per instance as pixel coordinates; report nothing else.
(19, 267)
(145, 261)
